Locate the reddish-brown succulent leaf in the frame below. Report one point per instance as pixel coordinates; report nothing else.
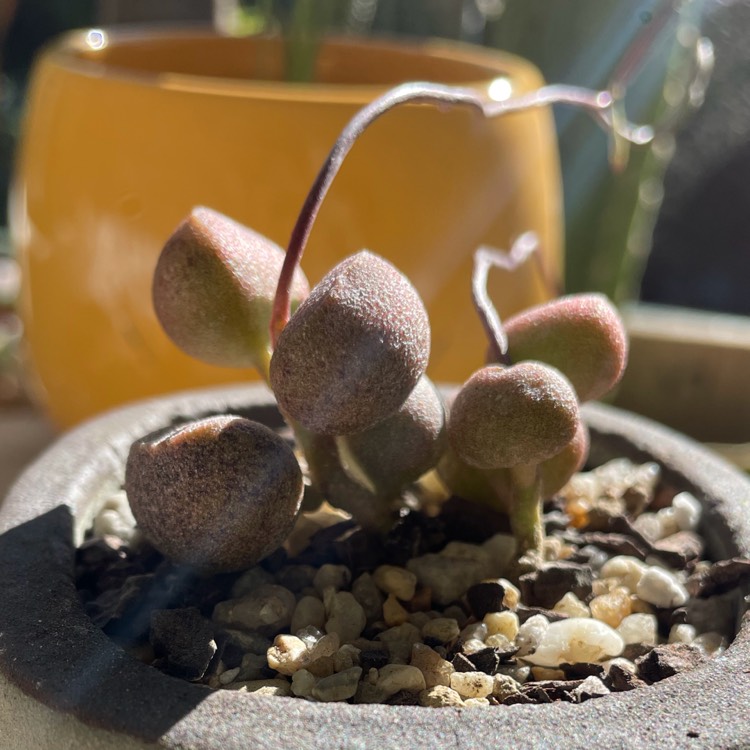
(220, 493)
(582, 335)
(402, 447)
(213, 290)
(507, 416)
(354, 350)
(556, 471)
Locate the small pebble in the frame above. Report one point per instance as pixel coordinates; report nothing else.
(264, 687)
(687, 511)
(639, 628)
(504, 686)
(661, 588)
(572, 606)
(505, 624)
(368, 595)
(710, 643)
(346, 658)
(612, 607)
(501, 548)
(577, 639)
(303, 683)
(346, 617)
(393, 678)
(393, 612)
(682, 633)
(395, 580)
(472, 684)
(591, 687)
(441, 629)
(530, 635)
(668, 660)
(649, 525)
(250, 581)
(267, 610)
(448, 577)
(309, 611)
(629, 570)
(338, 687)
(435, 669)
(116, 519)
(332, 576)
(439, 696)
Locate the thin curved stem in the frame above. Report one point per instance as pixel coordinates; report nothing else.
(486, 258)
(598, 103)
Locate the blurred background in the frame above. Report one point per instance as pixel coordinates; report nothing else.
(672, 228)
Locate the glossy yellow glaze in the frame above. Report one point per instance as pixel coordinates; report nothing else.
(123, 138)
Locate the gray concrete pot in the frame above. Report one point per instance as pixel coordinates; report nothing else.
(64, 684)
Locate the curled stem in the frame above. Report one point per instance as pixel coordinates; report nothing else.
(598, 103)
(486, 258)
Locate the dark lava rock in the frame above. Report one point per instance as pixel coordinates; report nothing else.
(525, 612)
(185, 639)
(373, 659)
(485, 597)
(404, 698)
(620, 679)
(678, 549)
(668, 660)
(719, 578)
(545, 587)
(582, 670)
(462, 663)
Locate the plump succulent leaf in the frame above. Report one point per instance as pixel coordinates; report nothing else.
(493, 487)
(402, 447)
(354, 350)
(220, 493)
(556, 471)
(509, 416)
(213, 290)
(582, 335)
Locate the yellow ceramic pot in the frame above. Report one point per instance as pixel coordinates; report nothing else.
(126, 132)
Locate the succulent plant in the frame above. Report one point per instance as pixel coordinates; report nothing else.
(354, 350)
(581, 335)
(213, 290)
(217, 494)
(347, 366)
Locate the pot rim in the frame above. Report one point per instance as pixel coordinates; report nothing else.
(53, 653)
(77, 51)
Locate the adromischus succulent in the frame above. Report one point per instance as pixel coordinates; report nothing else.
(353, 351)
(217, 494)
(401, 448)
(506, 416)
(213, 290)
(582, 335)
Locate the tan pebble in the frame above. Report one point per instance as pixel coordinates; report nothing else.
(369, 693)
(368, 595)
(229, 676)
(476, 702)
(393, 678)
(322, 667)
(393, 612)
(498, 640)
(346, 658)
(288, 654)
(440, 696)
(346, 617)
(501, 548)
(372, 676)
(309, 611)
(303, 683)
(572, 606)
(399, 582)
(332, 576)
(611, 608)
(512, 594)
(338, 687)
(443, 629)
(502, 623)
(263, 687)
(628, 569)
(472, 684)
(503, 686)
(602, 586)
(436, 670)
